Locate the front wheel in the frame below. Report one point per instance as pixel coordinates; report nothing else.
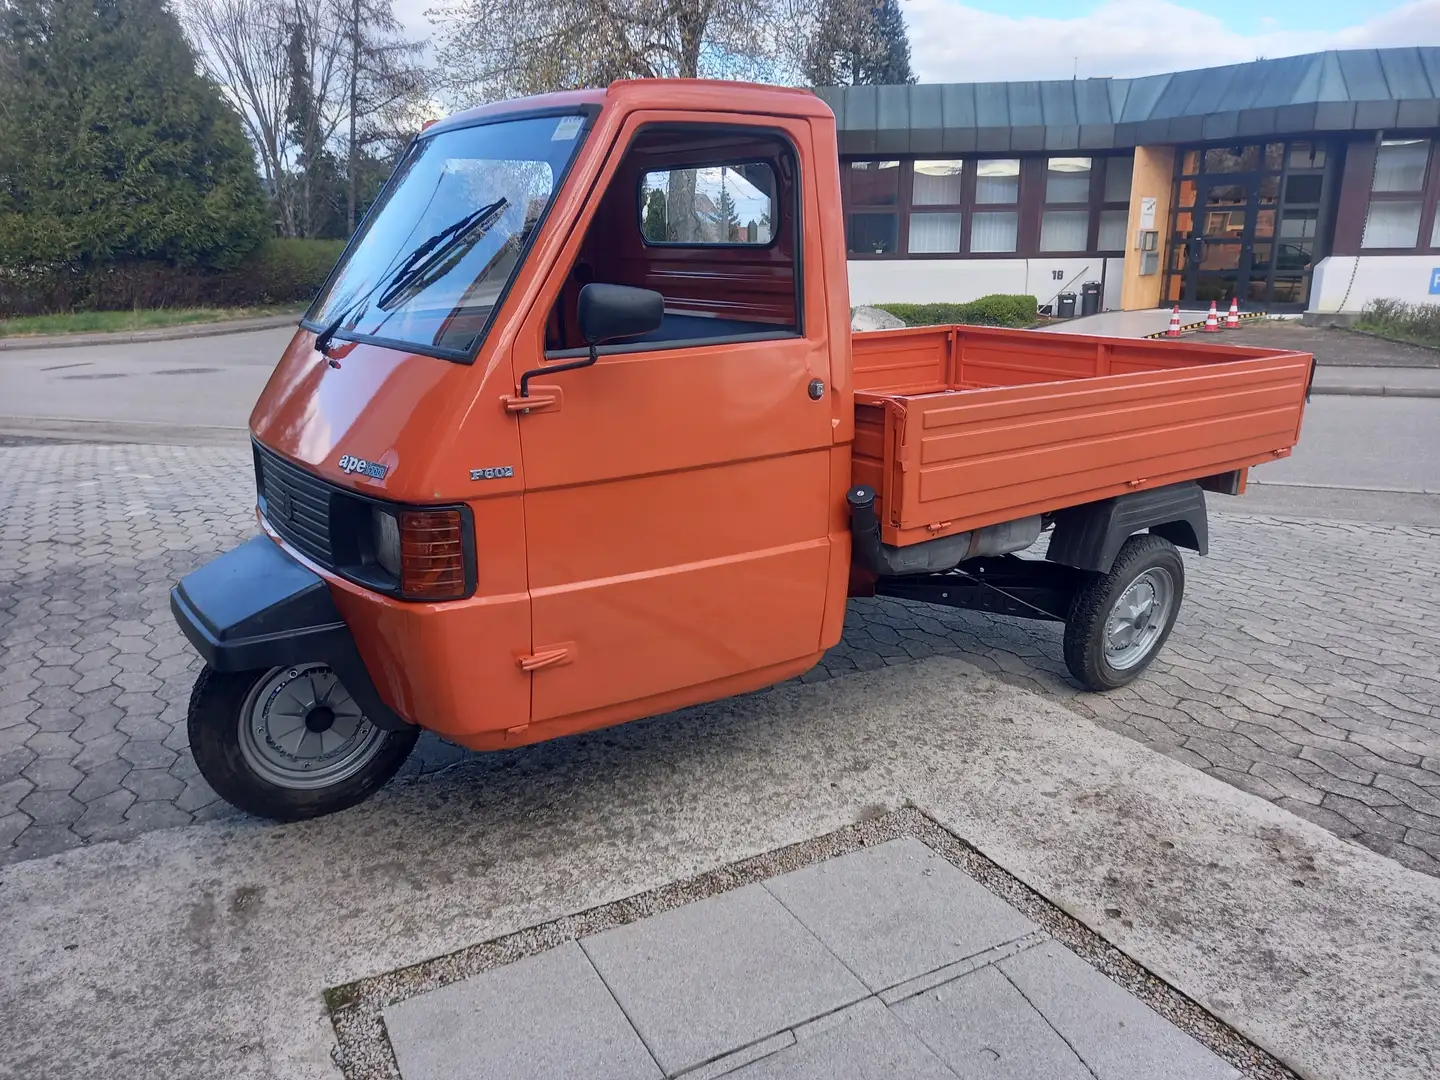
(289, 742)
(1118, 621)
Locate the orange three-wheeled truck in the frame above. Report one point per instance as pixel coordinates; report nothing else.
(467, 532)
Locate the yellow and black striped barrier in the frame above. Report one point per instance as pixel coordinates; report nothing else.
(1187, 328)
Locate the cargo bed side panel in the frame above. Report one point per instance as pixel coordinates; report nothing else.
(973, 457)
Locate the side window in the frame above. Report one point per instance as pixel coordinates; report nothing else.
(717, 204)
(707, 216)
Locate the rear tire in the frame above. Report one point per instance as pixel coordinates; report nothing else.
(247, 745)
(1119, 621)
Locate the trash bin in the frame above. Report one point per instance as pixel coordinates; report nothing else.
(1066, 307)
(1090, 298)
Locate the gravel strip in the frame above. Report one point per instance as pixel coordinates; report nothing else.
(364, 1051)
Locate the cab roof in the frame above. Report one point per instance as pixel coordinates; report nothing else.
(709, 95)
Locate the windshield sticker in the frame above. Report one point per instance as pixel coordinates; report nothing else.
(567, 128)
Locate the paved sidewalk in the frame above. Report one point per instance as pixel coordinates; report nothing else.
(234, 948)
(885, 962)
(1377, 381)
(26, 342)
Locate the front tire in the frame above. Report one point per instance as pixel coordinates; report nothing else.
(289, 743)
(1119, 621)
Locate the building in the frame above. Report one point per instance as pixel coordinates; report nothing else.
(1306, 183)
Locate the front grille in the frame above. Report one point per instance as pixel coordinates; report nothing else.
(296, 504)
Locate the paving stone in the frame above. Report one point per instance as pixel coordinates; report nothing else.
(151, 785)
(103, 815)
(719, 973)
(542, 1017)
(51, 807)
(52, 774)
(1115, 1034)
(896, 911)
(982, 1026)
(866, 1041)
(147, 754)
(144, 816)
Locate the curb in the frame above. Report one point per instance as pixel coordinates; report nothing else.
(166, 333)
(1376, 391)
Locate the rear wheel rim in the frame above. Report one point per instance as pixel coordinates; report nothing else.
(1138, 618)
(300, 729)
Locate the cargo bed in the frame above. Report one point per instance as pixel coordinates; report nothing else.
(957, 427)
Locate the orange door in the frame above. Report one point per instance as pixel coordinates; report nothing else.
(676, 515)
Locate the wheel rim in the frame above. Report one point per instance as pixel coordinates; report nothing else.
(1138, 618)
(301, 729)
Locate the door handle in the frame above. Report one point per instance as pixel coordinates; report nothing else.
(540, 399)
(549, 656)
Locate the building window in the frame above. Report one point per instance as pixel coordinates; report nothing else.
(1392, 220)
(937, 207)
(1392, 224)
(872, 197)
(997, 180)
(1400, 165)
(1114, 227)
(994, 231)
(935, 234)
(938, 183)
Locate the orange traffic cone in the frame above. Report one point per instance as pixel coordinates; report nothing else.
(1174, 328)
(1212, 320)
(1232, 320)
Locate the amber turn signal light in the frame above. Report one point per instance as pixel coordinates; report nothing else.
(432, 555)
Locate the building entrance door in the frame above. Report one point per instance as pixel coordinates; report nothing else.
(1217, 251)
(1245, 222)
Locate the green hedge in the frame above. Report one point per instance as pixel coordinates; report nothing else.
(998, 309)
(281, 272)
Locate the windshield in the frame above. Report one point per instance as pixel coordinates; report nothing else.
(446, 236)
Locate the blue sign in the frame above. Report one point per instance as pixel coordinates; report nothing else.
(1435, 282)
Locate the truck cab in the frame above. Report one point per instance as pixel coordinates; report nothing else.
(566, 440)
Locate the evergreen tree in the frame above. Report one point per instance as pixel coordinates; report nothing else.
(112, 147)
(859, 41)
(656, 223)
(727, 216)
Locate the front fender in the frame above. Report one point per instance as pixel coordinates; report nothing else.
(256, 607)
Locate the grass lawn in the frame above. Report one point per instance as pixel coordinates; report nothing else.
(92, 321)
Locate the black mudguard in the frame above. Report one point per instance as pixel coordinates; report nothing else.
(1089, 537)
(256, 607)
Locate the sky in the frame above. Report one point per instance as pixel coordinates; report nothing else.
(1001, 40)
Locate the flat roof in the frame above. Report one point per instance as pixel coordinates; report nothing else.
(1338, 91)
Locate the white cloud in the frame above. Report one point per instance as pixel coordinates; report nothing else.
(950, 42)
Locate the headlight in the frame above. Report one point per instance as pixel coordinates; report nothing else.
(385, 532)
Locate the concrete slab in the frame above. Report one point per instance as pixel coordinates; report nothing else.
(547, 1017)
(205, 951)
(1115, 1034)
(984, 1029)
(867, 1043)
(709, 977)
(1120, 323)
(896, 911)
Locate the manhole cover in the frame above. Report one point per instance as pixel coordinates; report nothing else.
(99, 375)
(186, 371)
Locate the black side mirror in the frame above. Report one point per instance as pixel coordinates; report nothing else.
(607, 312)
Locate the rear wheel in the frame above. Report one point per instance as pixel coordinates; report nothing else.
(1119, 621)
(289, 742)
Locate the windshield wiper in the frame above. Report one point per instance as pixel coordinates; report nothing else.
(434, 249)
(409, 269)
